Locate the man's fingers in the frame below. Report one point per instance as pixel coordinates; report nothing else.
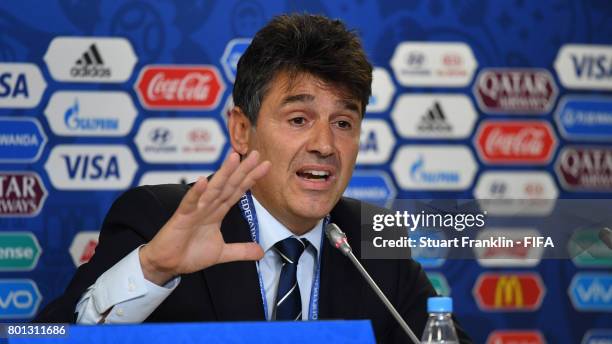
(225, 171)
(190, 200)
(241, 251)
(248, 182)
(235, 180)
(259, 172)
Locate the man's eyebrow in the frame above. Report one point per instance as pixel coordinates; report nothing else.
(350, 105)
(298, 98)
(305, 98)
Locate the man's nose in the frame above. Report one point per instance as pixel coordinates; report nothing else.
(321, 140)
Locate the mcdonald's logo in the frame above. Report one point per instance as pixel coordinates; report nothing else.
(509, 291)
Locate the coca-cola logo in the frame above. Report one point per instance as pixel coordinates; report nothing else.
(515, 142)
(179, 87)
(515, 90)
(585, 168)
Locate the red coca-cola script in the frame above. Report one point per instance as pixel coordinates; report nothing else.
(180, 87)
(515, 142)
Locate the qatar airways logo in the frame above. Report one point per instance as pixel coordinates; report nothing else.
(521, 91)
(515, 142)
(180, 87)
(585, 168)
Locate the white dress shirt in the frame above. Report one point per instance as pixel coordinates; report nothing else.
(131, 298)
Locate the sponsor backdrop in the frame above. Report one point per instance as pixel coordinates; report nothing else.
(488, 99)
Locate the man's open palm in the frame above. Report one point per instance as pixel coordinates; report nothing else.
(191, 240)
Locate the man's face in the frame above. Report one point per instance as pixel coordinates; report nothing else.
(309, 131)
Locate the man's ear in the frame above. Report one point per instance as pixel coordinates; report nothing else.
(239, 127)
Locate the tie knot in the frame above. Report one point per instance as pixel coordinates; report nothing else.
(291, 249)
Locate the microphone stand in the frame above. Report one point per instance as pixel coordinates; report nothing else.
(338, 240)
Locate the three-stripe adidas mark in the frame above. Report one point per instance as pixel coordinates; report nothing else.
(90, 56)
(434, 119)
(90, 65)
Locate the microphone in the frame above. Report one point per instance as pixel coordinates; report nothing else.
(338, 239)
(606, 236)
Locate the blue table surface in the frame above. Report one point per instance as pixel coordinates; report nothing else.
(337, 331)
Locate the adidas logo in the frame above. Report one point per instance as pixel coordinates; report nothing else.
(90, 65)
(434, 120)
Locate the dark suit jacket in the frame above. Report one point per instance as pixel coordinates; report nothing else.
(230, 291)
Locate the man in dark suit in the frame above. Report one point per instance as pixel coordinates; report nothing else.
(186, 253)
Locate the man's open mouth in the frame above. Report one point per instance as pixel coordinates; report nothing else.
(314, 175)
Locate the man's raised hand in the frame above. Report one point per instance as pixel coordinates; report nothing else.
(191, 240)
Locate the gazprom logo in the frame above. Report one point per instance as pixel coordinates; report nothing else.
(84, 113)
(434, 167)
(585, 118)
(419, 174)
(74, 122)
(21, 139)
(591, 292)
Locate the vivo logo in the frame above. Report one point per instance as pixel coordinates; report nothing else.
(19, 298)
(591, 292)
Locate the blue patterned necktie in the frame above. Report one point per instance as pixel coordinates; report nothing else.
(288, 305)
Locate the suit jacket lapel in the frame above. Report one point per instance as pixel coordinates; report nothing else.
(234, 287)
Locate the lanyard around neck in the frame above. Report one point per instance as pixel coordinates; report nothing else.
(247, 208)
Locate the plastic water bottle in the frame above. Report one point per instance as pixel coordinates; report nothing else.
(440, 328)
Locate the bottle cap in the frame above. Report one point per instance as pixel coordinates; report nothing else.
(439, 304)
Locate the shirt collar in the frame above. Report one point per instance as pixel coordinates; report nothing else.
(272, 231)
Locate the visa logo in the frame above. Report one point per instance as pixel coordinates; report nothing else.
(592, 291)
(91, 167)
(592, 66)
(96, 166)
(13, 87)
(369, 142)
